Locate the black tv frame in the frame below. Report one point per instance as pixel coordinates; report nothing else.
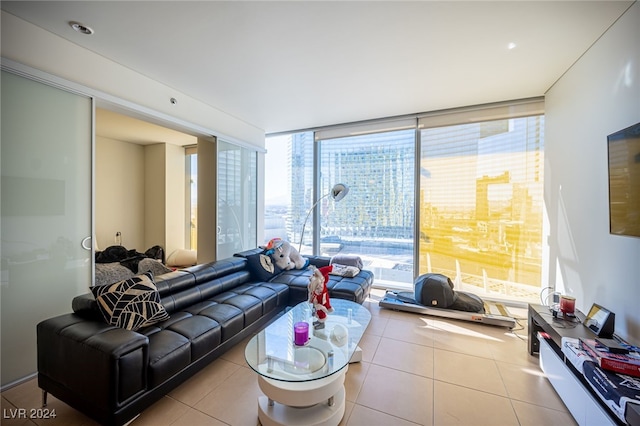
(623, 166)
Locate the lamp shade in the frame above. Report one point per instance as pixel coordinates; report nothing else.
(339, 191)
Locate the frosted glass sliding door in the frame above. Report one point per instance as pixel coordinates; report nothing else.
(46, 212)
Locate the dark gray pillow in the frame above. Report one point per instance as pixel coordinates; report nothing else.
(262, 267)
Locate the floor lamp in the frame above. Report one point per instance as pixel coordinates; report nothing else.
(337, 193)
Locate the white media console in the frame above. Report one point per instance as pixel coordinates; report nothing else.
(583, 403)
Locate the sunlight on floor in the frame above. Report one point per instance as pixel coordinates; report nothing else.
(453, 328)
(532, 372)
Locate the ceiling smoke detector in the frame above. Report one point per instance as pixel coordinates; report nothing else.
(82, 29)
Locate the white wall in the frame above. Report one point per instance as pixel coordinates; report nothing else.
(599, 95)
(140, 192)
(155, 158)
(119, 193)
(175, 200)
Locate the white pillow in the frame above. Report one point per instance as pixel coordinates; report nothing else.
(182, 257)
(344, 270)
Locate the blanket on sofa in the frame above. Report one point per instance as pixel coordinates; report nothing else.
(116, 263)
(128, 258)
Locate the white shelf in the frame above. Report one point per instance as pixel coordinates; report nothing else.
(582, 405)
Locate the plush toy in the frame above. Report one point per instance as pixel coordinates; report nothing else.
(285, 255)
(319, 294)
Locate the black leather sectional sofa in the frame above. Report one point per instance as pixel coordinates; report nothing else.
(112, 374)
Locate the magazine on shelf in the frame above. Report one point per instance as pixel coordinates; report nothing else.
(617, 391)
(574, 353)
(619, 363)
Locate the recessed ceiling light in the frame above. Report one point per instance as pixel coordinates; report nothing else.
(511, 46)
(82, 29)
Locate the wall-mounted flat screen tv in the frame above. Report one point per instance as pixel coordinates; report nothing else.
(624, 181)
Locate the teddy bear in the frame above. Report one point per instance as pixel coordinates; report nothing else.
(285, 255)
(319, 294)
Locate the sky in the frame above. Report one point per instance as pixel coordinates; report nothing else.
(277, 186)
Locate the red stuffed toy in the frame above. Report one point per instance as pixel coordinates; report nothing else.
(319, 294)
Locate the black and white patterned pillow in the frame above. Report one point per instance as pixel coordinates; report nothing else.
(132, 303)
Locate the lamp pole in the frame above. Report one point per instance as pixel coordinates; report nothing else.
(304, 225)
(338, 192)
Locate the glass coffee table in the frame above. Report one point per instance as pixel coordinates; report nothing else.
(304, 383)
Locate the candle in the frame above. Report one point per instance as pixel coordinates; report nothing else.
(567, 304)
(300, 333)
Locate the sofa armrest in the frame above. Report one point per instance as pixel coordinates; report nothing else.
(101, 365)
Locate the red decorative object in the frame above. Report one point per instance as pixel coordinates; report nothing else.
(319, 294)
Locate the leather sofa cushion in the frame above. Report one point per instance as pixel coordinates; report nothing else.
(213, 288)
(355, 288)
(230, 318)
(267, 295)
(249, 305)
(209, 271)
(169, 353)
(348, 291)
(281, 290)
(298, 281)
(184, 299)
(204, 334)
(174, 282)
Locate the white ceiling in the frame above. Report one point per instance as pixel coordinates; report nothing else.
(302, 64)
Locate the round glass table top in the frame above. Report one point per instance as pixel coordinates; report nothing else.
(274, 354)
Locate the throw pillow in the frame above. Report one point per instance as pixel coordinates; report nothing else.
(344, 270)
(132, 303)
(181, 257)
(347, 260)
(262, 267)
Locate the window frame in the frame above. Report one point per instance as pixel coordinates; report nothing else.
(472, 114)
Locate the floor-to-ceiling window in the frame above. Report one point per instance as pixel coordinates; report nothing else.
(481, 209)
(376, 219)
(472, 209)
(288, 185)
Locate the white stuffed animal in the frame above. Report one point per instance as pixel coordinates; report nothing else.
(285, 255)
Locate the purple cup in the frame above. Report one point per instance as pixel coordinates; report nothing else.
(300, 333)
